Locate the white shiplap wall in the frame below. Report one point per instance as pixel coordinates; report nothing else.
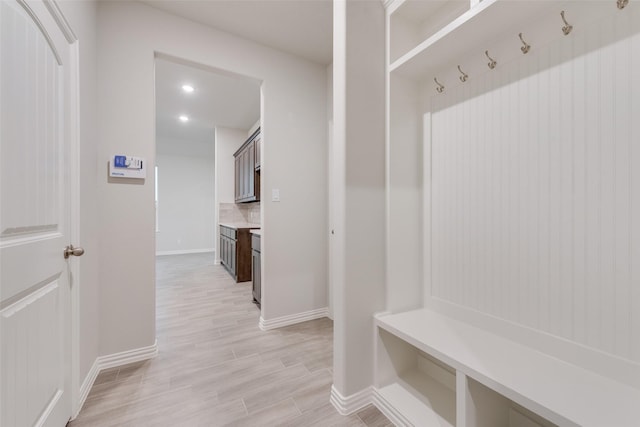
(535, 196)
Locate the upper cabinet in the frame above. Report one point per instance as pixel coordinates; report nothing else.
(258, 150)
(247, 173)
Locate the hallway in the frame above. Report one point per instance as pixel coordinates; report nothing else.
(215, 367)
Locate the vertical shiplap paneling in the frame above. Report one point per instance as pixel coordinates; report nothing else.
(607, 205)
(529, 121)
(593, 200)
(566, 158)
(622, 141)
(544, 185)
(555, 195)
(535, 190)
(634, 191)
(579, 225)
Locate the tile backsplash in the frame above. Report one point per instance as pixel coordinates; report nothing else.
(246, 212)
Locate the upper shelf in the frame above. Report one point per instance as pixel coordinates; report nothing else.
(450, 32)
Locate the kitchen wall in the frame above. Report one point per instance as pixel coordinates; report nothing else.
(293, 113)
(228, 141)
(240, 212)
(186, 175)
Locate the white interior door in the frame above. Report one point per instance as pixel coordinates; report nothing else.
(34, 216)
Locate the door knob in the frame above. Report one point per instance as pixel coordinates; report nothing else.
(70, 250)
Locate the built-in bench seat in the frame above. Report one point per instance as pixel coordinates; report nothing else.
(421, 354)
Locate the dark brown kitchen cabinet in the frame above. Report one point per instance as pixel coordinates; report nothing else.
(235, 252)
(247, 185)
(258, 150)
(257, 272)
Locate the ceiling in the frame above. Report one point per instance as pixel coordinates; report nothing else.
(217, 100)
(300, 27)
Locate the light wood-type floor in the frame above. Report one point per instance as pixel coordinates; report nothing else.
(216, 367)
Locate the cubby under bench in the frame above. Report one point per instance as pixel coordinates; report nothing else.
(434, 370)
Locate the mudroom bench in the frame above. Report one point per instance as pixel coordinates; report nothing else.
(435, 370)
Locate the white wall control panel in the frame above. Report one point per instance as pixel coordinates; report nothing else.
(275, 195)
(121, 166)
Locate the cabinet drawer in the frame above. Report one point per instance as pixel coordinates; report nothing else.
(255, 242)
(228, 232)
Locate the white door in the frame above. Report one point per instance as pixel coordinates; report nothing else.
(35, 130)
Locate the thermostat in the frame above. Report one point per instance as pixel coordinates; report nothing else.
(121, 166)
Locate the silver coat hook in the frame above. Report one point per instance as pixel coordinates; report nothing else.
(525, 47)
(492, 64)
(440, 87)
(567, 28)
(464, 76)
(622, 4)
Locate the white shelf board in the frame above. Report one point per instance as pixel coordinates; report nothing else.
(556, 390)
(486, 21)
(421, 400)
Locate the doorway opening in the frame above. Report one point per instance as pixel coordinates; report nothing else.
(203, 116)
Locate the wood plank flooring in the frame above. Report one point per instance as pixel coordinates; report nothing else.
(216, 367)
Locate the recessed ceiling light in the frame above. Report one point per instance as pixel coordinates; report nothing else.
(187, 88)
(183, 118)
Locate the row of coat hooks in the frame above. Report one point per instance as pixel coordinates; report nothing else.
(525, 48)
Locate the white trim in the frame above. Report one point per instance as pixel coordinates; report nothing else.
(49, 409)
(126, 357)
(350, 404)
(292, 319)
(185, 252)
(388, 410)
(60, 19)
(85, 388)
(111, 361)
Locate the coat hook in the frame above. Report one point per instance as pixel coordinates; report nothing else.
(622, 4)
(464, 76)
(493, 62)
(525, 47)
(567, 28)
(440, 87)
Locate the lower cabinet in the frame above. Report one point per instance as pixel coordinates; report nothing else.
(255, 255)
(235, 252)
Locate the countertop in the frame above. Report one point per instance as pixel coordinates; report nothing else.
(237, 225)
(257, 232)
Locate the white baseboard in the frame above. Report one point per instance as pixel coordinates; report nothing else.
(350, 404)
(185, 252)
(388, 410)
(111, 361)
(85, 388)
(292, 319)
(129, 356)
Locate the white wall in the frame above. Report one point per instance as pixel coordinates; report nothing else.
(358, 146)
(294, 160)
(82, 16)
(227, 142)
(186, 192)
(534, 196)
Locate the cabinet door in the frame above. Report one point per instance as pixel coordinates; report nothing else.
(245, 173)
(232, 257)
(258, 150)
(251, 186)
(221, 247)
(238, 183)
(257, 282)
